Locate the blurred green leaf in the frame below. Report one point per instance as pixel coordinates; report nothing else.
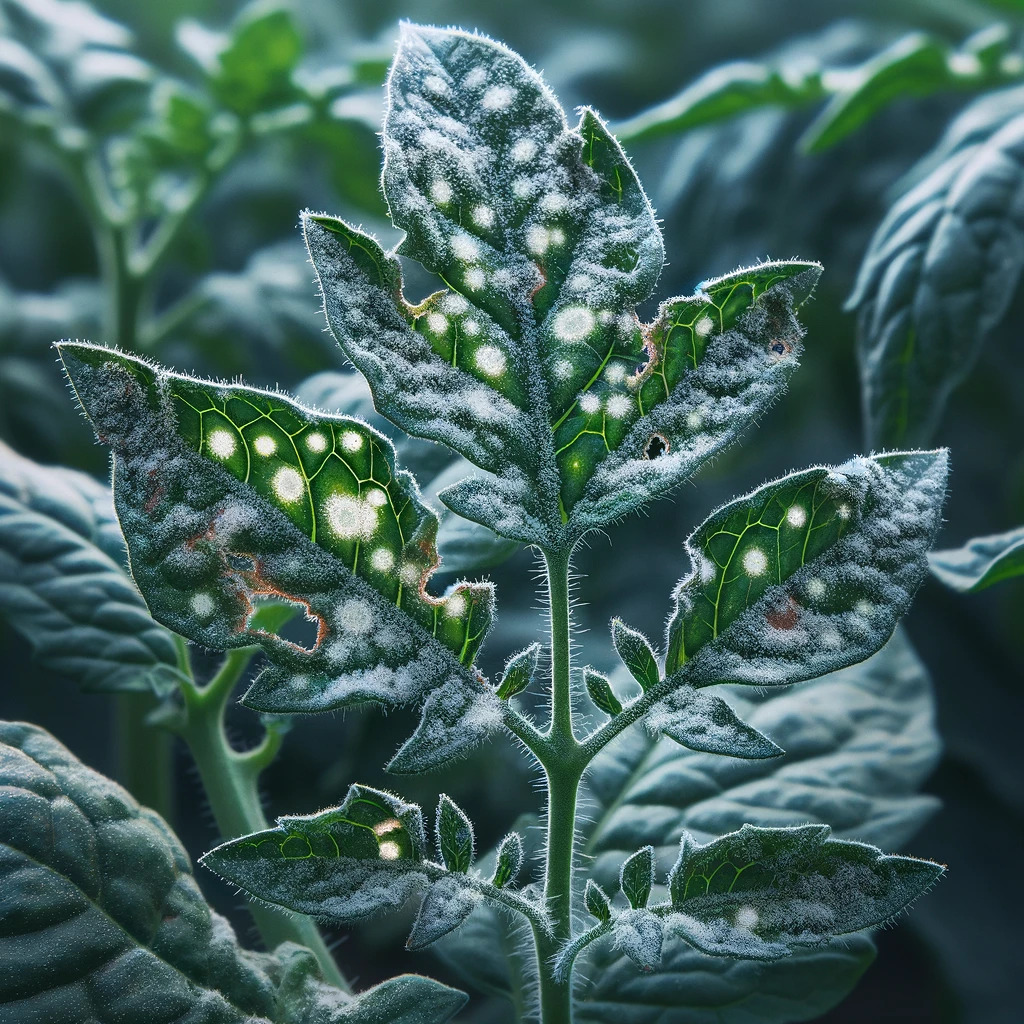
(981, 562)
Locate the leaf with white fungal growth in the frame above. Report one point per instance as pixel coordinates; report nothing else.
(636, 653)
(341, 864)
(807, 574)
(508, 861)
(229, 496)
(595, 899)
(637, 877)
(446, 905)
(454, 835)
(519, 672)
(531, 362)
(703, 721)
(639, 934)
(981, 562)
(757, 893)
(601, 693)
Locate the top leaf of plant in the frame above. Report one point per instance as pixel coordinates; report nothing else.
(532, 362)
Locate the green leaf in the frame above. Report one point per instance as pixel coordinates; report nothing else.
(446, 905)
(508, 861)
(691, 988)
(981, 562)
(104, 922)
(639, 934)
(343, 864)
(519, 672)
(596, 901)
(228, 495)
(63, 585)
(637, 877)
(703, 721)
(939, 276)
(807, 574)
(756, 893)
(532, 363)
(634, 649)
(454, 836)
(601, 693)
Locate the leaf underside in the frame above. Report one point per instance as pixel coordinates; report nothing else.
(981, 562)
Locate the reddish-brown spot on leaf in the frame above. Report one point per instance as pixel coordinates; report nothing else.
(784, 616)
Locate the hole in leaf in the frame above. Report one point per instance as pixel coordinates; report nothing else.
(656, 446)
(291, 621)
(779, 348)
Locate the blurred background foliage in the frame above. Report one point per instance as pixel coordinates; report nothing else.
(153, 159)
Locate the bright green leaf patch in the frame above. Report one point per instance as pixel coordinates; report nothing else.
(532, 363)
(228, 495)
(757, 893)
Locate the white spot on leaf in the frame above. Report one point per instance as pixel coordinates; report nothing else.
(524, 150)
(816, 588)
(498, 97)
(265, 445)
(703, 327)
(483, 216)
(382, 559)
(465, 248)
(316, 442)
(590, 403)
(574, 323)
(455, 606)
(437, 322)
(349, 517)
(390, 850)
(755, 562)
(355, 616)
(203, 605)
(796, 516)
(475, 279)
(351, 441)
(441, 191)
(619, 406)
(288, 484)
(490, 360)
(222, 443)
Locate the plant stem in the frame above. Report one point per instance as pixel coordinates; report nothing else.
(561, 765)
(144, 755)
(230, 780)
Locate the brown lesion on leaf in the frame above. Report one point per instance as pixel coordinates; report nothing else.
(542, 280)
(258, 586)
(156, 489)
(784, 616)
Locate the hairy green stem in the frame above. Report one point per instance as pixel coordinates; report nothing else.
(230, 780)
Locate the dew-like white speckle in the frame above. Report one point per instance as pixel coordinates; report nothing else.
(288, 484)
(574, 323)
(455, 606)
(382, 559)
(410, 575)
(377, 497)
(440, 191)
(615, 373)
(351, 441)
(435, 84)
(483, 216)
(538, 238)
(498, 97)
(627, 324)
(556, 236)
(222, 443)
(203, 605)
(843, 511)
(355, 616)
(471, 328)
(265, 445)
(590, 403)
(755, 562)
(705, 568)
(522, 187)
(454, 303)
(694, 420)
(579, 283)
(815, 588)
(316, 442)
(562, 369)
(475, 279)
(746, 918)
(475, 79)
(437, 322)
(865, 609)
(831, 639)
(554, 202)
(348, 517)
(465, 248)
(524, 150)
(796, 516)
(390, 850)
(490, 360)
(619, 406)
(703, 327)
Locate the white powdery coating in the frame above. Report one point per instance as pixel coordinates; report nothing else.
(615, 374)
(865, 609)
(471, 328)
(815, 588)
(475, 279)
(796, 516)
(483, 216)
(705, 568)
(843, 511)
(410, 574)
(694, 420)
(351, 441)
(265, 445)
(454, 303)
(221, 443)
(574, 323)
(579, 283)
(455, 606)
(522, 187)
(382, 559)
(437, 322)
(475, 78)
(498, 97)
(703, 327)
(355, 616)
(390, 850)
(562, 369)
(435, 84)
(465, 248)
(349, 517)
(831, 638)
(755, 562)
(554, 202)
(538, 238)
(590, 403)
(524, 150)
(377, 497)
(288, 484)
(490, 360)
(316, 442)
(619, 406)
(203, 605)
(747, 918)
(441, 191)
